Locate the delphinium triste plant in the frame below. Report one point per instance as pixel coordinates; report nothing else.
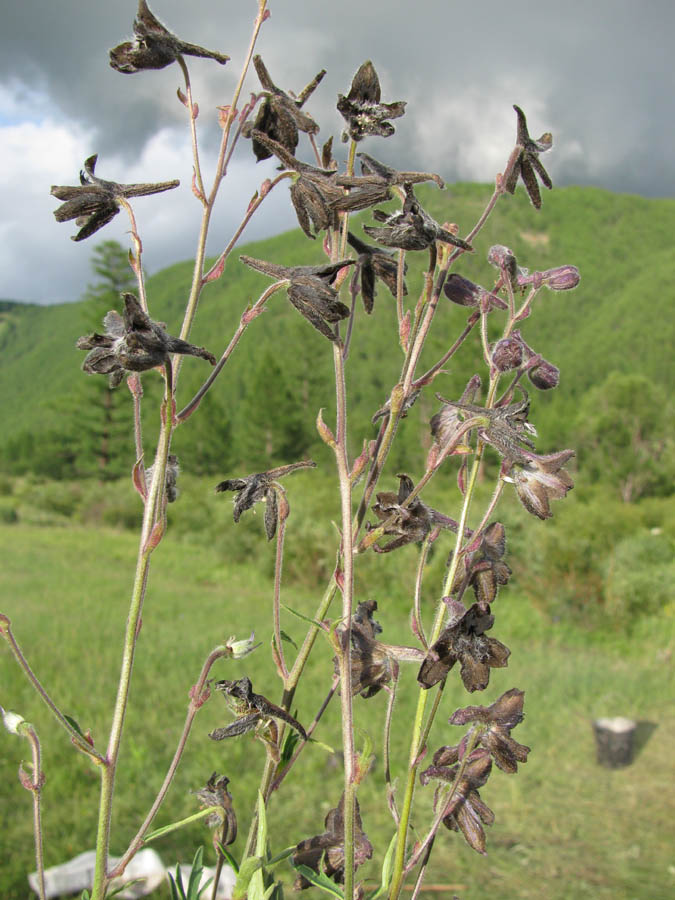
(458, 641)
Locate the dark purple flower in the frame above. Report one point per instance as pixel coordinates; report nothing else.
(412, 228)
(252, 711)
(465, 811)
(319, 195)
(280, 115)
(373, 263)
(261, 487)
(540, 479)
(495, 723)
(527, 165)
(133, 343)
(362, 109)
(95, 202)
(310, 290)
(408, 523)
(154, 46)
(464, 641)
(327, 850)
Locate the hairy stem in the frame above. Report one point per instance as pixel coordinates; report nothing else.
(153, 504)
(197, 698)
(75, 736)
(344, 654)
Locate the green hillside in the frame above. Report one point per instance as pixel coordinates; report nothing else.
(263, 408)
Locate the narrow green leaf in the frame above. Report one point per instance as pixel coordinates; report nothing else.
(290, 743)
(177, 892)
(122, 887)
(302, 616)
(228, 856)
(73, 724)
(387, 869)
(195, 875)
(280, 857)
(323, 746)
(321, 881)
(289, 640)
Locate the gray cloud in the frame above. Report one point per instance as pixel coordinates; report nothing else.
(598, 75)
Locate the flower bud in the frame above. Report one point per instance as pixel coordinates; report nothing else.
(238, 649)
(563, 278)
(544, 376)
(500, 256)
(462, 291)
(507, 354)
(12, 721)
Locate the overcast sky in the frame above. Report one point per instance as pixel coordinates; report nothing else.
(598, 74)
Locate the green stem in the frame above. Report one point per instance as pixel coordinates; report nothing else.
(344, 655)
(36, 790)
(75, 736)
(150, 517)
(419, 732)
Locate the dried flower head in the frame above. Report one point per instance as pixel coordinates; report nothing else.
(215, 793)
(486, 569)
(540, 479)
(362, 109)
(503, 427)
(319, 195)
(154, 46)
(373, 263)
(132, 342)
(465, 811)
(310, 291)
(251, 710)
(280, 115)
(409, 523)
(327, 850)
(412, 228)
(464, 641)
(494, 728)
(95, 202)
(261, 487)
(527, 165)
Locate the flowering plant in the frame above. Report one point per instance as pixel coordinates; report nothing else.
(490, 417)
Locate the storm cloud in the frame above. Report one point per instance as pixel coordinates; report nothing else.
(598, 76)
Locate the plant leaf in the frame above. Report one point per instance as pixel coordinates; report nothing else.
(286, 637)
(302, 616)
(387, 868)
(228, 856)
(73, 724)
(195, 875)
(321, 881)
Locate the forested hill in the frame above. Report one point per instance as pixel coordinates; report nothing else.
(263, 408)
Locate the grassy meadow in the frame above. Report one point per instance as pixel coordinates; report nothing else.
(565, 828)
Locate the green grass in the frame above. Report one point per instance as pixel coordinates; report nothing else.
(564, 828)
